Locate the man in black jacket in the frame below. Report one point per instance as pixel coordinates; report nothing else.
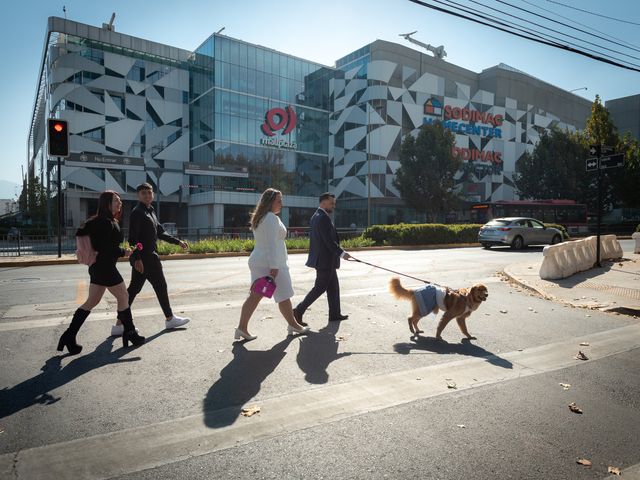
(144, 232)
(324, 255)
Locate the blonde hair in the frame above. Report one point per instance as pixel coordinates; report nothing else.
(263, 207)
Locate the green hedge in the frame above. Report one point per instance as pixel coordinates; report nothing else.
(238, 245)
(422, 234)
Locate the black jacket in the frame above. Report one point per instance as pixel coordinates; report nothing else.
(324, 245)
(144, 228)
(106, 237)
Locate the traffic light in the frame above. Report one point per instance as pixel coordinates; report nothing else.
(58, 138)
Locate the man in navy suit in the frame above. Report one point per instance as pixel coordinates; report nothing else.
(324, 255)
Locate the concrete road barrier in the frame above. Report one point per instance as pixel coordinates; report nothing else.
(636, 237)
(565, 259)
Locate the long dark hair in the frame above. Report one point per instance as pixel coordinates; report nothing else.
(104, 206)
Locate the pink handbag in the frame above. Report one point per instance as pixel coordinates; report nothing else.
(84, 250)
(265, 286)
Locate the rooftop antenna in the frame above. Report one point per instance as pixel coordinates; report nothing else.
(109, 26)
(220, 31)
(438, 52)
(64, 10)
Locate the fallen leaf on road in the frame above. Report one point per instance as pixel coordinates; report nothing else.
(267, 317)
(250, 411)
(503, 311)
(574, 408)
(464, 426)
(370, 305)
(581, 356)
(418, 378)
(220, 351)
(565, 386)
(451, 385)
(614, 470)
(584, 344)
(530, 309)
(584, 461)
(340, 338)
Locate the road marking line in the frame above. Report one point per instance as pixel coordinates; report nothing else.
(53, 321)
(132, 450)
(81, 292)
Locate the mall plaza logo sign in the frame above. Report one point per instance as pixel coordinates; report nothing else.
(277, 119)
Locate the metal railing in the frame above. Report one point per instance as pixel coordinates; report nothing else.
(18, 244)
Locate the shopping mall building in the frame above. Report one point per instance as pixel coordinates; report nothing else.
(212, 128)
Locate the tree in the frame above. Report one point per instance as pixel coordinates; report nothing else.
(427, 166)
(555, 169)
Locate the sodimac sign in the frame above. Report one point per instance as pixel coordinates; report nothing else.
(470, 122)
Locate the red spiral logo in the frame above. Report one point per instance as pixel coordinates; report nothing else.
(277, 119)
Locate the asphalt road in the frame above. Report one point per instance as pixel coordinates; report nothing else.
(359, 399)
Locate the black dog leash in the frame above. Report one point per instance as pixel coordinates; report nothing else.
(393, 271)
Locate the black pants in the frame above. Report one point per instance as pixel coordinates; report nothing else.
(153, 273)
(326, 281)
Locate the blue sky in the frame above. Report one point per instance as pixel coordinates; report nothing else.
(319, 30)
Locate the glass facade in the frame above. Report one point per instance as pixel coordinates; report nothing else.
(236, 89)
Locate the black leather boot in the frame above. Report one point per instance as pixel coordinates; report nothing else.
(130, 334)
(68, 338)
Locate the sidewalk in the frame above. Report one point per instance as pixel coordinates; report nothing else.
(613, 287)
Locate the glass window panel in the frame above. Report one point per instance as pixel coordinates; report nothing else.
(251, 57)
(242, 55)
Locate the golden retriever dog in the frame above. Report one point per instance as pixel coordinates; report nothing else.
(431, 298)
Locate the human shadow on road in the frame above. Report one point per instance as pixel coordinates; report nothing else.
(317, 351)
(465, 347)
(36, 390)
(240, 380)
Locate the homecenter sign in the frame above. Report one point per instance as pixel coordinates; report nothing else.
(465, 121)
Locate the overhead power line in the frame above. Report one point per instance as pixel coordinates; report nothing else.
(593, 13)
(566, 25)
(568, 48)
(544, 35)
(630, 45)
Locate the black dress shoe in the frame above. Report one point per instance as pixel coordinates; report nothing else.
(298, 316)
(339, 318)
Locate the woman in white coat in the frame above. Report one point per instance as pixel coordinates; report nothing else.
(269, 258)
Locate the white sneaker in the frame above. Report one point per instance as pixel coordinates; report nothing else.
(118, 330)
(176, 322)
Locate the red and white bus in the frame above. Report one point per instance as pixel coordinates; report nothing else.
(568, 213)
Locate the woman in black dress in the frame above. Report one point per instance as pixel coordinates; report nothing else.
(106, 237)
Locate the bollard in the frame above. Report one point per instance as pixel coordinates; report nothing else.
(636, 237)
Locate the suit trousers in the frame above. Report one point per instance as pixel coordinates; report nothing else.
(326, 281)
(152, 272)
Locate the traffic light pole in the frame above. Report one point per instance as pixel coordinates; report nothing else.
(599, 216)
(59, 207)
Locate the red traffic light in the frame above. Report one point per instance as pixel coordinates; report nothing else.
(58, 137)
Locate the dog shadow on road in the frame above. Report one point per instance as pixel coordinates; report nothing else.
(240, 381)
(465, 347)
(317, 351)
(35, 390)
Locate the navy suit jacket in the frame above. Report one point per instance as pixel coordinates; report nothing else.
(324, 245)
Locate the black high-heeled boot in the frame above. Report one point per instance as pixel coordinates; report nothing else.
(68, 338)
(129, 334)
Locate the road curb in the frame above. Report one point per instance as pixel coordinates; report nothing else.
(520, 283)
(198, 256)
(621, 310)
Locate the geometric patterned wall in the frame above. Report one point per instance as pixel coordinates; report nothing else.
(376, 105)
(119, 105)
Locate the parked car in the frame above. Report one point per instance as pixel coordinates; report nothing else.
(517, 232)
